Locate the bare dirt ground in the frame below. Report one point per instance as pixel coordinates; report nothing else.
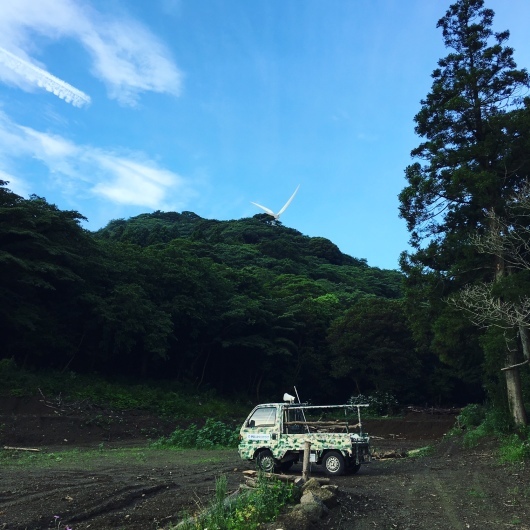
(102, 487)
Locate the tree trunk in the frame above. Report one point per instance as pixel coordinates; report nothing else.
(524, 334)
(514, 391)
(513, 376)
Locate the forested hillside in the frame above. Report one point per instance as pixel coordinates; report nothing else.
(246, 307)
(249, 307)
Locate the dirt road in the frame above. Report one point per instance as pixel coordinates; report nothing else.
(141, 489)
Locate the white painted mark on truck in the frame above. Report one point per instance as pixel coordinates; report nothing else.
(259, 436)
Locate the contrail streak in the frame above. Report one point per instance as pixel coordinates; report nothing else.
(44, 79)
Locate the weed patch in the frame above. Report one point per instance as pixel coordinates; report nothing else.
(213, 434)
(247, 511)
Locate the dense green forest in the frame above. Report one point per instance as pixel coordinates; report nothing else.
(245, 307)
(251, 308)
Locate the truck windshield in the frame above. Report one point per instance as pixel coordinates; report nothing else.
(262, 417)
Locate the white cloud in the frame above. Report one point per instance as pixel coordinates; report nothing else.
(16, 185)
(43, 79)
(82, 171)
(135, 183)
(49, 146)
(127, 57)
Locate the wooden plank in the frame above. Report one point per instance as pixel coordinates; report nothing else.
(8, 448)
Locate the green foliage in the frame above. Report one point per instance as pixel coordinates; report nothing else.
(478, 423)
(176, 297)
(471, 416)
(212, 435)
(380, 403)
(248, 511)
(515, 448)
(472, 157)
(372, 346)
(482, 424)
(171, 400)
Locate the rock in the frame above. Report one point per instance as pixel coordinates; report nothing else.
(311, 498)
(312, 484)
(311, 511)
(326, 495)
(329, 498)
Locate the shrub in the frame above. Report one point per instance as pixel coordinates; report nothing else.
(380, 403)
(471, 416)
(213, 434)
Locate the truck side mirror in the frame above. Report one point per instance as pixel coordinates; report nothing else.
(251, 423)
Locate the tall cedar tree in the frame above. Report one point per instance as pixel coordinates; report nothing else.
(471, 164)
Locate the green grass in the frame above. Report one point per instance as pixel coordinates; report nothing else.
(69, 457)
(514, 449)
(477, 493)
(91, 458)
(248, 511)
(422, 451)
(478, 424)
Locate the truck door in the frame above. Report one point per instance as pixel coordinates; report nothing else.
(262, 427)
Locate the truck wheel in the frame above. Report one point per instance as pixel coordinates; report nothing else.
(266, 461)
(333, 463)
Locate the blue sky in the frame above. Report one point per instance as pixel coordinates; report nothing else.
(115, 108)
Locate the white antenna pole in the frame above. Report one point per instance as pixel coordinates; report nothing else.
(303, 413)
(297, 396)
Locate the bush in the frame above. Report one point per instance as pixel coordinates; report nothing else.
(380, 403)
(471, 416)
(214, 434)
(480, 423)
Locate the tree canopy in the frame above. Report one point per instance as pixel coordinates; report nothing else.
(244, 307)
(473, 157)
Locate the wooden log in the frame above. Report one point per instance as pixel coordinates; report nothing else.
(305, 467)
(8, 448)
(251, 474)
(322, 423)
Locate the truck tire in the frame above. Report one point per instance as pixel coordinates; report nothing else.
(266, 461)
(334, 464)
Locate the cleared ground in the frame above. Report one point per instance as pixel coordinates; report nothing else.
(143, 489)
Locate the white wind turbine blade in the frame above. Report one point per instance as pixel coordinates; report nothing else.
(288, 202)
(269, 211)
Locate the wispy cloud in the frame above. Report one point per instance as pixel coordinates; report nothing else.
(15, 184)
(44, 79)
(135, 182)
(82, 171)
(126, 56)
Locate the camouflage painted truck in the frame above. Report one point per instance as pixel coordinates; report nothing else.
(274, 435)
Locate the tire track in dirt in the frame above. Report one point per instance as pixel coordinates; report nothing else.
(121, 499)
